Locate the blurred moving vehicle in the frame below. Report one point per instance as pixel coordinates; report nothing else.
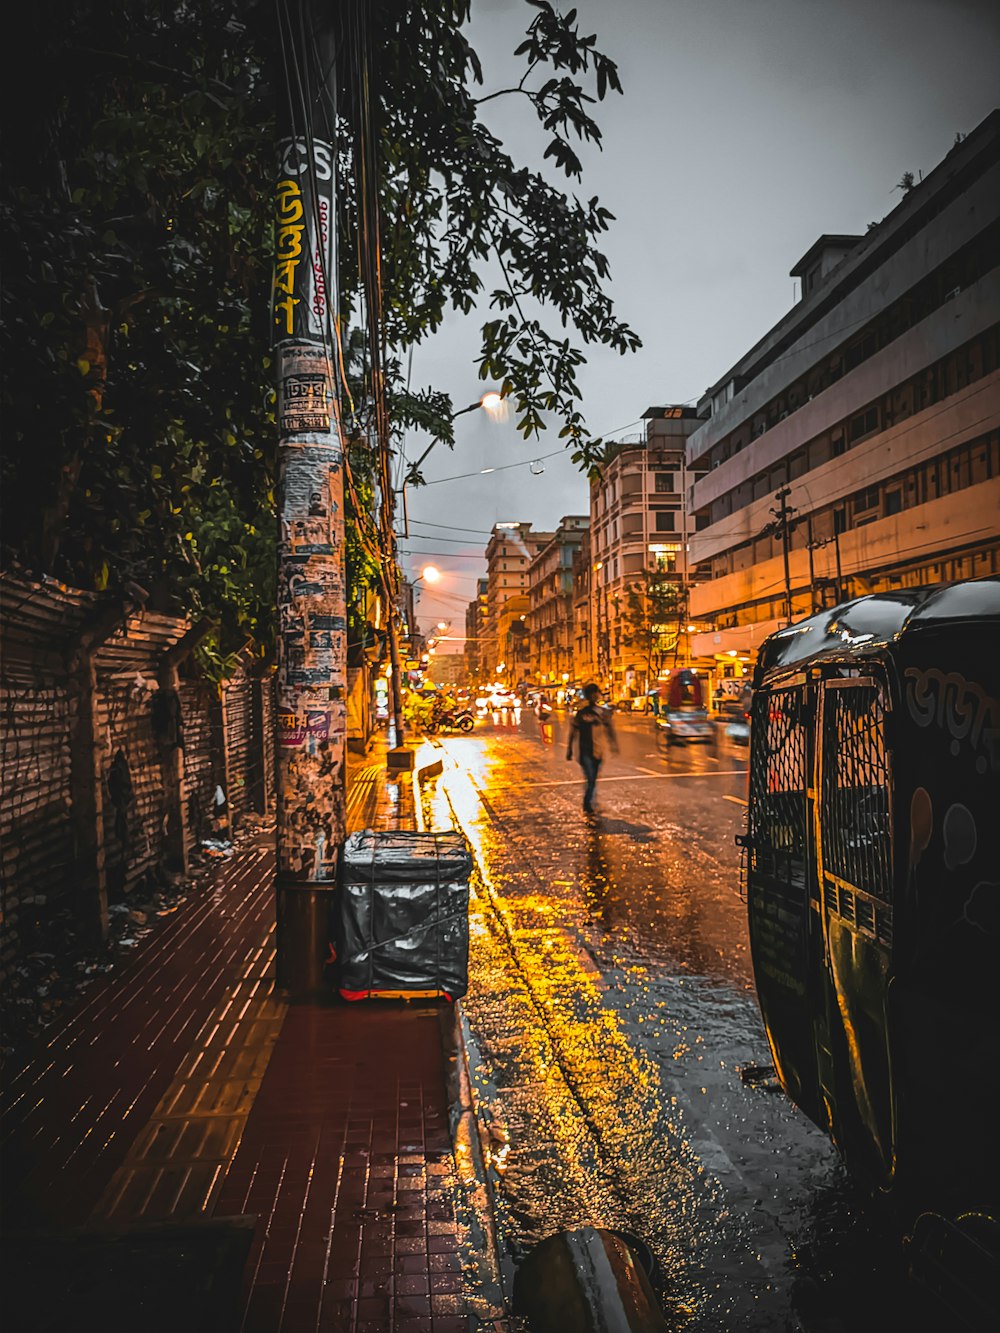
(683, 716)
(493, 698)
(682, 725)
(738, 730)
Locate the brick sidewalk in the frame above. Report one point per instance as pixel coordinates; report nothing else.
(183, 1088)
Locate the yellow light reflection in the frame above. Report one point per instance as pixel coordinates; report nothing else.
(574, 1079)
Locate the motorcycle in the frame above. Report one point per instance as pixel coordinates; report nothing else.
(455, 719)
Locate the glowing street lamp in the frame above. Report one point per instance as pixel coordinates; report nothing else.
(493, 404)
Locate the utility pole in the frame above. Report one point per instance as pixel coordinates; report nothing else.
(312, 601)
(811, 547)
(836, 548)
(781, 526)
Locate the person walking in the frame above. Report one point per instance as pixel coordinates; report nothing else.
(590, 729)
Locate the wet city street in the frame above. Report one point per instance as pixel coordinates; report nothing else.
(617, 1050)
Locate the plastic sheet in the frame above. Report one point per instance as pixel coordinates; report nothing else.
(403, 913)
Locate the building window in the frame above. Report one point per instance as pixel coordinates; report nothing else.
(837, 446)
(665, 521)
(866, 499)
(893, 502)
(839, 521)
(663, 556)
(664, 483)
(861, 351)
(863, 424)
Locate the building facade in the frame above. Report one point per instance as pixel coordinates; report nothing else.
(550, 603)
(640, 531)
(509, 553)
(856, 447)
(447, 669)
(475, 622)
(583, 623)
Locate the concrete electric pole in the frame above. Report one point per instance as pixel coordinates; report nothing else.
(312, 603)
(782, 527)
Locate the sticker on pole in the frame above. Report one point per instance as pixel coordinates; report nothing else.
(291, 731)
(318, 724)
(305, 389)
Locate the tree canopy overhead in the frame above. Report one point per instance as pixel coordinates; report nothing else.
(138, 403)
(458, 210)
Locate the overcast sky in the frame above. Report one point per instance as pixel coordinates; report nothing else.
(747, 128)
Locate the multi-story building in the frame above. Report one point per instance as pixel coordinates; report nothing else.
(639, 529)
(475, 621)
(550, 603)
(582, 669)
(856, 447)
(509, 552)
(447, 669)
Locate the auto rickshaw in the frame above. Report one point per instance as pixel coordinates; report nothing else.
(682, 715)
(872, 877)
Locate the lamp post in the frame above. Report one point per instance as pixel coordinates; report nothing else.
(492, 403)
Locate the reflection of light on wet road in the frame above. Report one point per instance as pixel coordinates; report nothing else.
(593, 1138)
(611, 1008)
(633, 777)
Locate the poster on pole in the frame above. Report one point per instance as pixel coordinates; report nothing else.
(303, 241)
(305, 389)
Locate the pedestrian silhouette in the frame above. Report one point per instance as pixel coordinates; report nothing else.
(591, 730)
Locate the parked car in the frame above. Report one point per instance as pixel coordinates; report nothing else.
(684, 725)
(499, 699)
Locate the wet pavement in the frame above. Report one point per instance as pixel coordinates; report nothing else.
(187, 1149)
(610, 1017)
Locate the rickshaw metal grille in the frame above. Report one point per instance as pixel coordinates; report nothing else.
(854, 808)
(777, 811)
(869, 916)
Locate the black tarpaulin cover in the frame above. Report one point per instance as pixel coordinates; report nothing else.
(403, 918)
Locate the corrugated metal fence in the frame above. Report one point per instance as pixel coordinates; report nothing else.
(88, 789)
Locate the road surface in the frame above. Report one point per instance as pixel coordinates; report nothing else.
(618, 1054)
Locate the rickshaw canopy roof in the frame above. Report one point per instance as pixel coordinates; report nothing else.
(879, 621)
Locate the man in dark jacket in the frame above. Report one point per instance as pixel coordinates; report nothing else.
(591, 730)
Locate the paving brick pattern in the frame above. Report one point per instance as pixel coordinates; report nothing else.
(180, 1086)
(347, 1160)
(175, 1167)
(71, 1116)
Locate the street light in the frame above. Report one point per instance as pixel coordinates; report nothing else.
(492, 403)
